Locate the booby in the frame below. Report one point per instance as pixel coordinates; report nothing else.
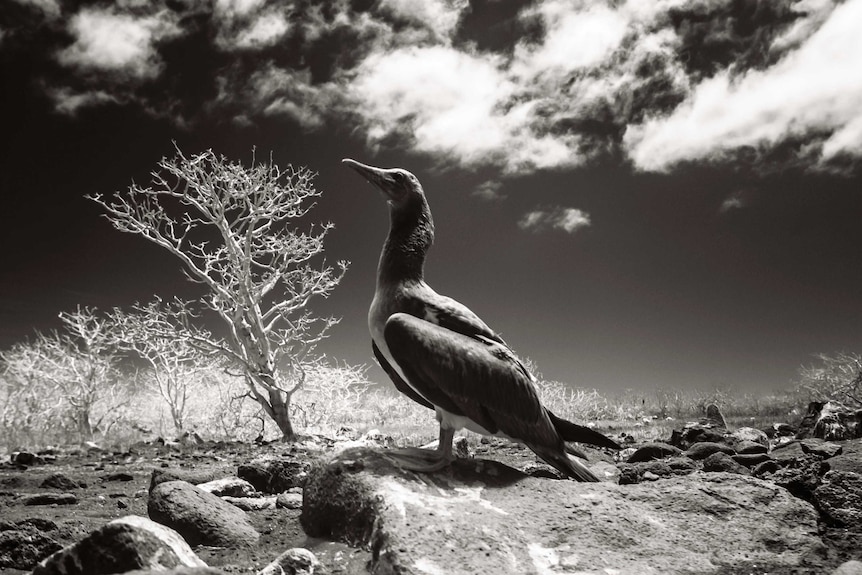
(442, 355)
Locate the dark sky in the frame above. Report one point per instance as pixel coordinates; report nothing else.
(636, 195)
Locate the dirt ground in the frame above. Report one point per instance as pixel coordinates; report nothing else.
(113, 485)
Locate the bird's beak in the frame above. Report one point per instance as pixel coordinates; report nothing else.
(377, 176)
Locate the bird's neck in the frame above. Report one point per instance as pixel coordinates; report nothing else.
(403, 256)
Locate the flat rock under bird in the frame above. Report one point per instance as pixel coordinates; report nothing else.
(443, 356)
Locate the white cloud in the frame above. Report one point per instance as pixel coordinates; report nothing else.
(265, 30)
(732, 202)
(68, 102)
(816, 88)
(108, 41)
(568, 220)
(489, 191)
(232, 8)
(441, 16)
(574, 39)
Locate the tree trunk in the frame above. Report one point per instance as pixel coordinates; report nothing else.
(85, 429)
(280, 404)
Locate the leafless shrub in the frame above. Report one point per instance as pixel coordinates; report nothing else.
(835, 377)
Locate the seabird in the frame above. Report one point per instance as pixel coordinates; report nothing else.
(443, 356)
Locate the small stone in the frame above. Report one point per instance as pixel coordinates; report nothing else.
(652, 451)
(720, 461)
(820, 448)
(751, 459)
(704, 449)
(122, 476)
(50, 499)
(746, 447)
(231, 486)
(289, 501)
(296, 561)
(251, 503)
(849, 568)
(59, 481)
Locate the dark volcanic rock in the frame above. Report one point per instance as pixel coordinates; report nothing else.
(59, 481)
(687, 437)
(787, 454)
(802, 477)
(200, 517)
(720, 461)
(652, 451)
(704, 449)
(182, 571)
(820, 448)
(274, 475)
(839, 498)
(751, 460)
(23, 549)
(120, 546)
(746, 447)
(765, 468)
(50, 499)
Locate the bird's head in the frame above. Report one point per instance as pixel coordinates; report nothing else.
(400, 187)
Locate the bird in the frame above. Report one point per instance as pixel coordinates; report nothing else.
(442, 355)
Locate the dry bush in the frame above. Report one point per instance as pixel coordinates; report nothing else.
(836, 377)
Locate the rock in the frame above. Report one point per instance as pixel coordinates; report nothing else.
(251, 503)
(200, 517)
(704, 449)
(179, 571)
(50, 499)
(296, 561)
(122, 545)
(820, 448)
(22, 548)
(232, 486)
(713, 418)
(289, 501)
(849, 568)
(750, 435)
(193, 477)
(839, 498)
(652, 470)
(802, 477)
(682, 465)
(746, 447)
(831, 421)
(59, 481)
(751, 460)
(695, 433)
(536, 469)
(787, 454)
(765, 468)
(274, 475)
(722, 462)
(484, 517)
(850, 458)
(25, 458)
(651, 451)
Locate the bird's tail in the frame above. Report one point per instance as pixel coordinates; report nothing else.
(573, 432)
(565, 464)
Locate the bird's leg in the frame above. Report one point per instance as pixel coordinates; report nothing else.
(425, 460)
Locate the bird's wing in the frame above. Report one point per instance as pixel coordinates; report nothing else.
(455, 316)
(476, 377)
(400, 384)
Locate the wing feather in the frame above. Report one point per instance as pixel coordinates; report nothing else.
(478, 377)
(400, 384)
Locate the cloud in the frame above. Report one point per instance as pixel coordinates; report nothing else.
(440, 16)
(265, 30)
(732, 202)
(118, 43)
(49, 8)
(69, 102)
(815, 89)
(489, 191)
(568, 220)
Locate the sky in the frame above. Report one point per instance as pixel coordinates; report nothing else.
(635, 194)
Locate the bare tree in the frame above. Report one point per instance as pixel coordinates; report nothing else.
(175, 363)
(228, 225)
(29, 407)
(836, 377)
(79, 368)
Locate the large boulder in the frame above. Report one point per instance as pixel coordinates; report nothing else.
(484, 517)
(25, 543)
(122, 545)
(200, 517)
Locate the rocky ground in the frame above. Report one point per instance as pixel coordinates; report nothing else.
(800, 504)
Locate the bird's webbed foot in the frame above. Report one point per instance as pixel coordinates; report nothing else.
(418, 459)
